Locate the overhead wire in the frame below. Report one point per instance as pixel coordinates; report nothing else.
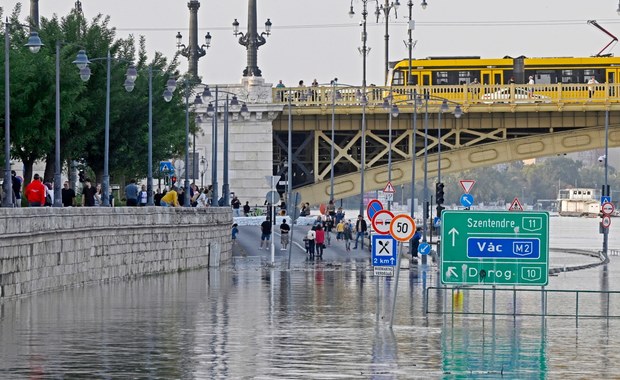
(431, 24)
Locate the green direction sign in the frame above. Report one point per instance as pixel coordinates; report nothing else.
(495, 248)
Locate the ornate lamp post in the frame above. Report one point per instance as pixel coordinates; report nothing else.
(364, 50)
(230, 103)
(130, 78)
(386, 9)
(252, 40)
(193, 52)
(171, 86)
(34, 44)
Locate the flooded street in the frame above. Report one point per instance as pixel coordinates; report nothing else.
(319, 320)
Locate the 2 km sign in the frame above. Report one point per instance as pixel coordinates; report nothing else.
(495, 248)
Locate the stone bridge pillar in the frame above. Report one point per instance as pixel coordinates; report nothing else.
(250, 150)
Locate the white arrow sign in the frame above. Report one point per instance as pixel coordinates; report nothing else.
(453, 232)
(451, 272)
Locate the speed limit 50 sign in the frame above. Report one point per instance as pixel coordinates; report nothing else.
(402, 228)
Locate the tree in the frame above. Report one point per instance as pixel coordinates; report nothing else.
(83, 104)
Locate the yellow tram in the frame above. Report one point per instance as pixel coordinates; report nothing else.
(461, 73)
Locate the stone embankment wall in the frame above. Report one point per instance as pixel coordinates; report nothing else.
(50, 248)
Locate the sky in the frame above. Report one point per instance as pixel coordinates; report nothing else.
(317, 39)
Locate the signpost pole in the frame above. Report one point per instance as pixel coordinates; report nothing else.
(293, 219)
(400, 252)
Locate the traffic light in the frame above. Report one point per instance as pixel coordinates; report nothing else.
(174, 180)
(439, 193)
(81, 176)
(440, 208)
(427, 210)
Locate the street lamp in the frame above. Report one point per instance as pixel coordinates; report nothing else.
(34, 44)
(130, 78)
(364, 50)
(606, 190)
(193, 52)
(393, 111)
(386, 9)
(80, 61)
(252, 40)
(231, 101)
(171, 86)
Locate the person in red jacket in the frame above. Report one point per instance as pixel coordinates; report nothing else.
(35, 192)
(319, 241)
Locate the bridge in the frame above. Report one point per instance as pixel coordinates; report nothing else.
(499, 124)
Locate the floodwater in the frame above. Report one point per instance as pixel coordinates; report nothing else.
(319, 320)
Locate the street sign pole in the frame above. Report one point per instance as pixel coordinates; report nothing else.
(400, 253)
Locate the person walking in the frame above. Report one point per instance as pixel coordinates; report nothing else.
(284, 230)
(319, 241)
(131, 193)
(360, 230)
(67, 195)
(236, 206)
(35, 192)
(340, 230)
(88, 194)
(310, 237)
(265, 237)
(235, 232)
(347, 235)
(246, 209)
(16, 183)
(143, 196)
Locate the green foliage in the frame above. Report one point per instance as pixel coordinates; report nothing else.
(83, 105)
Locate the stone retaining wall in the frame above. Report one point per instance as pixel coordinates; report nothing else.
(50, 248)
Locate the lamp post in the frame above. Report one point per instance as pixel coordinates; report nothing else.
(193, 52)
(130, 78)
(606, 190)
(34, 44)
(213, 111)
(388, 104)
(386, 9)
(80, 61)
(252, 40)
(170, 88)
(364, 50)
(414, 128)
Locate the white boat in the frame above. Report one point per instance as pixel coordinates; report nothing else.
(578, 202)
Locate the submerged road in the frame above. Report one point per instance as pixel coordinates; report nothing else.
(248, 245)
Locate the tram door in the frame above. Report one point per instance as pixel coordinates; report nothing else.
(492, 77)
(613, 78)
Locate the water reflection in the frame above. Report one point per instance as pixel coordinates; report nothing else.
(251, 320)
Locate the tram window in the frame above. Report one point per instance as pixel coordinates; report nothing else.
(398, 79)
(441, 77)
(466, 77)
(569, 76)
(413, 78)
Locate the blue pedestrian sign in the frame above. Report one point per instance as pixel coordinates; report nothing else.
(606, 199)
(467, 200)
(424, 249)
(383, 250)
(166, 167)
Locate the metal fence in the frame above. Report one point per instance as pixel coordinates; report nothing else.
(518, 302)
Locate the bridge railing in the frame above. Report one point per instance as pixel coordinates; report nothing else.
(468, 95)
